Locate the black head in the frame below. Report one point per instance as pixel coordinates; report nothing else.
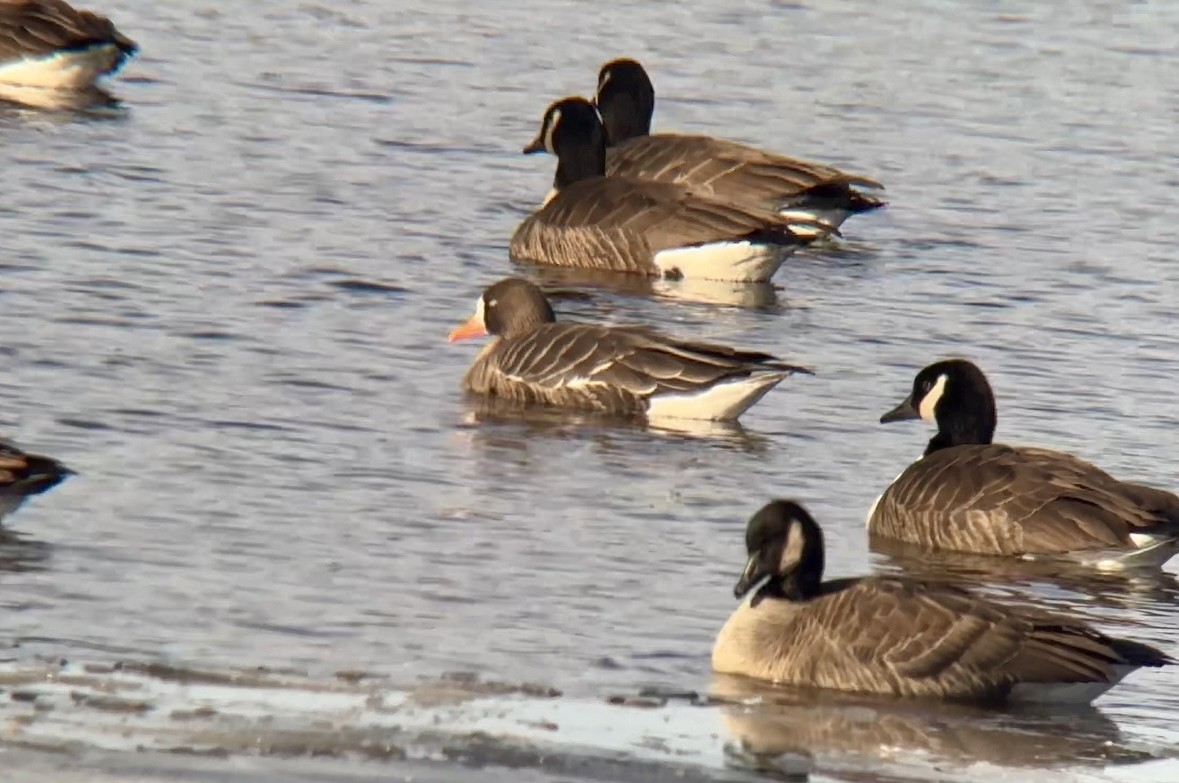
(785, 546)
(511, 307)
(955, 395)
(572, 131)
(625, 99)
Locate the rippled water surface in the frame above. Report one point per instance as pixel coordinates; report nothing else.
(226, 306)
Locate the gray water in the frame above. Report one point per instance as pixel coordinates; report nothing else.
(226, 307)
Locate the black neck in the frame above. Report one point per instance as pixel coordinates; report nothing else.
(963, 430)
(580, 159)
(799, 585)
(625, 118)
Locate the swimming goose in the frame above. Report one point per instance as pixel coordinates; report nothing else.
(719, 168)
(654, 228)
(969, 494)
(618, 370)
(23, 474)
(51, 54)
(902, 637)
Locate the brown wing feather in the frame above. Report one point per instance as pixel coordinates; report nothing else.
(616, 223)
(39, 27)
(911, 638)
(611, 369)
(997, 499)
(729, 171)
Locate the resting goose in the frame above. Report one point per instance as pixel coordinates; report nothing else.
(617, 370)
(901, 637)
(51, 54)
(968, 494)
(719, 168)
(23, 474)
(659, 229)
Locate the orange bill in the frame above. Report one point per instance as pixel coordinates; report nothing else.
(472, 327)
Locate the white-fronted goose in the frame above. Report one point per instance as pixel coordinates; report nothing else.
(902, 637)
(659, 229)
(618, 370)
(722, 169)
(968, 494)
(23, 475)
(51, 54)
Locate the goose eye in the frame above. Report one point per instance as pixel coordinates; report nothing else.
(926, 385)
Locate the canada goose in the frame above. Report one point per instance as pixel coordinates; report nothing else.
(619, 370)
(22, 475)
(901, 637)
(51, 54)
(968, 494)
(719, 168)
(652, 228)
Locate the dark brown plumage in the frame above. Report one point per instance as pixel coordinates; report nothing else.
(41, 27)
(23, 475)
(968, 494)
(616, 370)
(902, 637)
(718, 168)
(599, 222)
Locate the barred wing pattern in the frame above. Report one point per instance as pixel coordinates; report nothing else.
(620, 224)
(39, 27)
(609, 369)
(733, 172)
(996, 499)
(909, 638)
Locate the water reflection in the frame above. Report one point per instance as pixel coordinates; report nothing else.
(749, 296)
(840, 730)
(1141, 589)
(513, 425)
(20, 552)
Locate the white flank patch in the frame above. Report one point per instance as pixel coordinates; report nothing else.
(742, 261)
(830, 217)
(1143, 540)
(930, 400)
(72, 70)
(1066, 692)
(721, 402)
(1152, 552)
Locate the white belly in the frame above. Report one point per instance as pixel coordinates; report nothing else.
(742, 261)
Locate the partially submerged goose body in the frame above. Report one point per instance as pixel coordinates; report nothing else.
(23, 475)
(52, 55)
(902, 637)
(718, 168)
(617, 370)
(659, 229)
(969, 494)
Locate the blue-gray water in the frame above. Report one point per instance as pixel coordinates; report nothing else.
(226, 308)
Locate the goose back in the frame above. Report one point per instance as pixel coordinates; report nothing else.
(1001, 500)
(908, 638)
(33, 28)
(614, 370)
(621, 225)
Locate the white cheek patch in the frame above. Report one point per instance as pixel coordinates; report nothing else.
(792, 552)
(930, 400)
(548, 131)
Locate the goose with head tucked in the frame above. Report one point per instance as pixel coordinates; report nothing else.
(52, 54)
(719, 168)
(616, 370)
(658, 229)
(970, 494)
(901, 637)
(23, 475)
